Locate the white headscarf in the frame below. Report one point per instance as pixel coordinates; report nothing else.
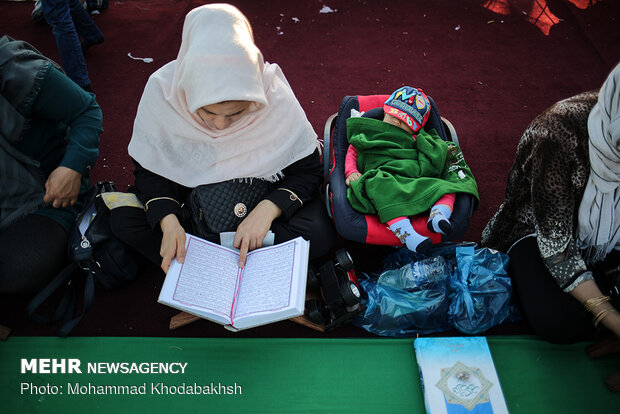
(599, 218)
(219, 62)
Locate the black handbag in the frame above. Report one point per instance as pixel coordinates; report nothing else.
(221, 207)
(95, 254)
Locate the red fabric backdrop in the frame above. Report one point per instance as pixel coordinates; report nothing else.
(491, 66)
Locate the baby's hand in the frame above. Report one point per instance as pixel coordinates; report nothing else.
(352, 177)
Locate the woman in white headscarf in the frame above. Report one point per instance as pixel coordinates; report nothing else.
(216, 113)
(560, 220)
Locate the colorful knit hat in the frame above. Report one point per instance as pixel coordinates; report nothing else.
(410, 105)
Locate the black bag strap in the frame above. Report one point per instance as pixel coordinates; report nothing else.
(65, 310)
(64, 307)
(80, 251)
(89, 296)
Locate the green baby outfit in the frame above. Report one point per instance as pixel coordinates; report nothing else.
(403, 176)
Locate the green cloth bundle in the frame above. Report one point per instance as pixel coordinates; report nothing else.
(402, 176)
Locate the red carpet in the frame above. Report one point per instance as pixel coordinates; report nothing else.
(489, 65)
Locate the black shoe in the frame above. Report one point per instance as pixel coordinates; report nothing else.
(445, 226)
(37, 13)
(424, 246)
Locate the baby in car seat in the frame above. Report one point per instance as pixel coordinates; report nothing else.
(396, 169)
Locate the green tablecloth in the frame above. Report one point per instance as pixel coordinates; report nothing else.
(288, 376)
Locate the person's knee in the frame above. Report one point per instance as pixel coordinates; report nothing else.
(28, 273)
(322, 241)
(321, 237)
(118, 225)
(129, 225)
(315, 225)
(34, 249)
(16, 279)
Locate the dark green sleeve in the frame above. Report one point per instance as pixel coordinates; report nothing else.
(61, 101)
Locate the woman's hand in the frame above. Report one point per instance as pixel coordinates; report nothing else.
(590, 290)
(352, 177)
(62, 187)
(173, 241)
(253, 229)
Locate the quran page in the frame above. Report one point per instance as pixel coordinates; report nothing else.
(272, 286)
(205, 283)
(209, 283)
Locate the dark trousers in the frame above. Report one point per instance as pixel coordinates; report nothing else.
(554, 315)
(69, 18)
(33, 250)
(310, 222)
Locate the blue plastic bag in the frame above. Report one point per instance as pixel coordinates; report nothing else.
(472, 296)
(480, 290)
(399, 312)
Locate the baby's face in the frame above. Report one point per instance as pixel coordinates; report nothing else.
(397, 122)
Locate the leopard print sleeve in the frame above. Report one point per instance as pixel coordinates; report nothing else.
(559, 171)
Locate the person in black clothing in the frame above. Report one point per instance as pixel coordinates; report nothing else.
(216, 113)
(49, 141)
(560, 220)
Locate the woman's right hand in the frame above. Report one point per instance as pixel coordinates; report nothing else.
(589, 290)
(173, 241)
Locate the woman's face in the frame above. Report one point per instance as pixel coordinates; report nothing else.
(222, 115)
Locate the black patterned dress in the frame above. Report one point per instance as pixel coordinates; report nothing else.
(545, 187)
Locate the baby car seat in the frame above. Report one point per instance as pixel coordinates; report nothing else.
(367, 228)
